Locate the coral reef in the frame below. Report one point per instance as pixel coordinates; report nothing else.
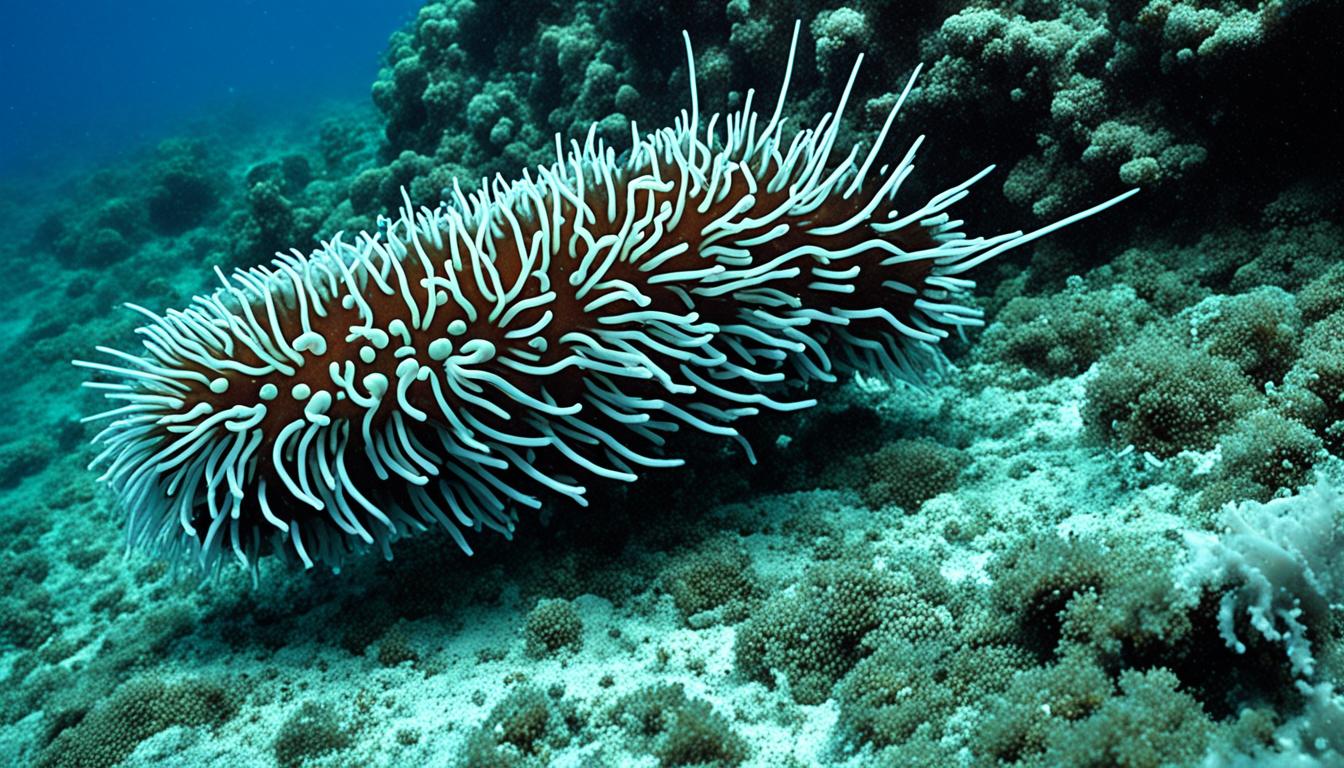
(1108, 534)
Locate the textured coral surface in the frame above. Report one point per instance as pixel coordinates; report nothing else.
(1110, 536)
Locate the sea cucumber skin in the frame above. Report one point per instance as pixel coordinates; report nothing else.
(518, 343)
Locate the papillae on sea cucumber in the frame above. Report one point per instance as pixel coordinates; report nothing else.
(511, 346)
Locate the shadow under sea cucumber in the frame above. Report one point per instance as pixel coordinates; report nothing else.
(514, 344)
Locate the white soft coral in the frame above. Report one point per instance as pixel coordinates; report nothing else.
(1280, 563)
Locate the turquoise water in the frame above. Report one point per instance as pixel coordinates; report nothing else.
(1108, 531)
(85, 81)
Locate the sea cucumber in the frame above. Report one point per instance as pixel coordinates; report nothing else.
(515, 344)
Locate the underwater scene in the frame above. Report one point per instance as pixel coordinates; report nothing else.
(626, 383)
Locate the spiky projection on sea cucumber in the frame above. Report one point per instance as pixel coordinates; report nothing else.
(518, 343)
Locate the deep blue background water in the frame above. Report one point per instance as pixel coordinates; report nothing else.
(83, 78)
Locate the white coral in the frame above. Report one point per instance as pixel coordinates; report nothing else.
(1281, 565)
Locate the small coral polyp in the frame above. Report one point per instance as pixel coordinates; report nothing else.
(522, 341)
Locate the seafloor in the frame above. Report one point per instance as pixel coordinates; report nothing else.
(1112, 535)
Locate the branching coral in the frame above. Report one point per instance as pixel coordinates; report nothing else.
(1280, 567)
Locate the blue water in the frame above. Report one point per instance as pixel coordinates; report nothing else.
(84, 78)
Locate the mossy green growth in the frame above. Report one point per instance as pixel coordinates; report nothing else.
(519, 731)
(24, 458)
(311, 731)
(715, 577)
(1323, 296)
(1074, 712)
(1258, 331)
(815, 634)
(1017, 725)
(1151, 723)
(680, 731)
(1063, 334)
(1320, 371)
(27, 614)
(395, 647)
(1163, 397)
(110, 732)
(908, 473)
(552, 625)
(1271, 452)
(1101, 593)
(905, 689)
